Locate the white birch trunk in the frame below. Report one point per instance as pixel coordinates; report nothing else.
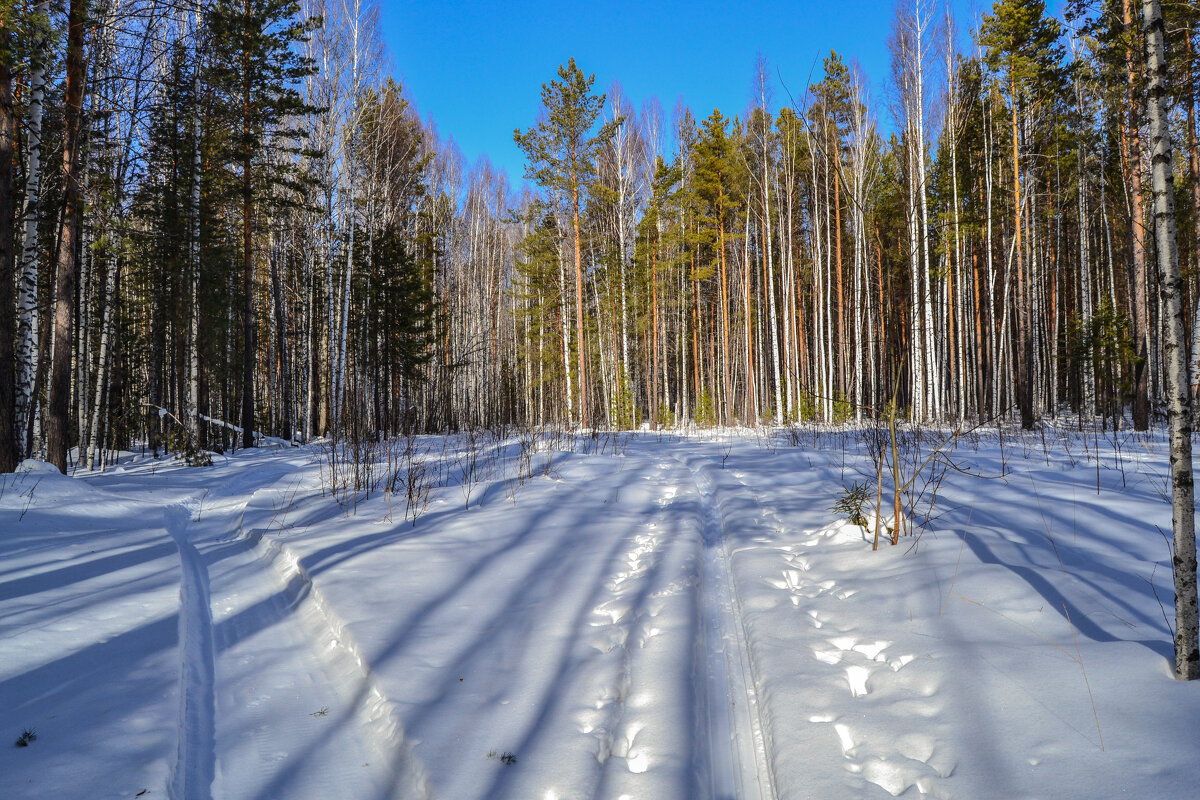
(194, 360)
(28, 317)
(1187, 648)
(952, 129)
(991, 264)
(339, 373)
(932, 371)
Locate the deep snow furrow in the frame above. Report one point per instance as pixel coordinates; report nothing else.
(377, 715)
(192, 774)
(736, 732)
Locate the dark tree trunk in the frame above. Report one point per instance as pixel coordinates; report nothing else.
(8, 317)
(248, 344)
(67, 271)
(1131, 143)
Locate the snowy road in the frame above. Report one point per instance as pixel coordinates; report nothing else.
(664, 619)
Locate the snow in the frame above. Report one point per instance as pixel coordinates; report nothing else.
(33, 465)
(649, 616)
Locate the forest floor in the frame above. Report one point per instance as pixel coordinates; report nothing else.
(635, 616)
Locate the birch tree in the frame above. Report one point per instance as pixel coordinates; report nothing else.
(26, 413)
(1187, 638)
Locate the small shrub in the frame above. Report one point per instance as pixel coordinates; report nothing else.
(181, 442)
(806, 407)
(28, 735)
(506, 758)
(666, 417)
(622, 409)
(852, 501)
(705, 414)
(843, 409)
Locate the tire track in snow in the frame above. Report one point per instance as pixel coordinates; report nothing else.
(195, 763)
(738, 761)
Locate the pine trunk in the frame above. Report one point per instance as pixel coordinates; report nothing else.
(1024, 340)
(94, 437)
(67, 269)
(1131, 145)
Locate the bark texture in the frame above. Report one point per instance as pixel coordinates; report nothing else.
(1187, 649)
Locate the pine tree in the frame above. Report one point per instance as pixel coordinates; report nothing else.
(257, 70)
(541, 310)
(718, 189)
(561, 155)
(650, 252)
(1023, 46)
(401, 317)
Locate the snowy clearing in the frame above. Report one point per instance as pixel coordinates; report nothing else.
(620, 617)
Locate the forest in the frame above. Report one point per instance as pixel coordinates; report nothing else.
(224, 220)
(824, 445)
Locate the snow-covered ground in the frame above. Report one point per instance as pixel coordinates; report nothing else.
(620, 617)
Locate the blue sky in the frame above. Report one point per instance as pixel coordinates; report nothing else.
(478, 67)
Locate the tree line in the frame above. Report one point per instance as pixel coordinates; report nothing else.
(979, 252)
(222, 220)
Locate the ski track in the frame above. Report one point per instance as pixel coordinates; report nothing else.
(305, 666)
(370, 709)
(192, 773)
(739, 766)
(730, 745)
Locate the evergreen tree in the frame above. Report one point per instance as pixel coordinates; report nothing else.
(718, 187)
(541, 310)
(561, 155)
(1023, 47)
(650, 252)
(402, 314)
(257, 70)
